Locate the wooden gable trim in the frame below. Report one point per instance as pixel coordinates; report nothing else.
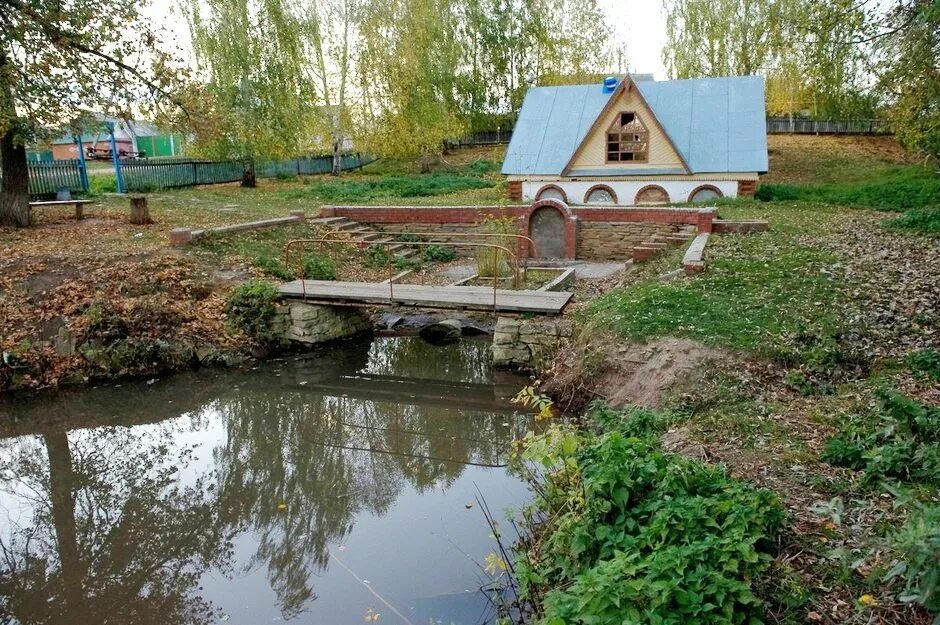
(621, 88)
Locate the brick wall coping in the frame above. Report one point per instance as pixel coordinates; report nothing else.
(693, 261)
(702, 218)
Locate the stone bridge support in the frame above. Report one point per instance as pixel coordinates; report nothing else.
(299, 322)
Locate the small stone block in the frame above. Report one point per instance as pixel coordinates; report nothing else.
(181, 236)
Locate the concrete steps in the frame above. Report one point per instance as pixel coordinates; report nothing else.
(360, 232)
(658, 243)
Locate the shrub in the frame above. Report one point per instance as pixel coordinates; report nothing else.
(273, 267)
(319, 268)
(924, 220)
(917, 544)
(376, 256)
(439, 253)
(777, 193)
(401, 263)
(902, 441)
(635, 535)
(251, 307)
(407, 237)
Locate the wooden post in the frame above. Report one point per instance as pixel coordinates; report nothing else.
(140, 212)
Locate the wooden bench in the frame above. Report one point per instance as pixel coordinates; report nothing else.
(78, 204)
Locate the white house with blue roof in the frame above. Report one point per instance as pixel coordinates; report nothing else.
(636, 141)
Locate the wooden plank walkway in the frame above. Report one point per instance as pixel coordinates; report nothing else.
(448, 297)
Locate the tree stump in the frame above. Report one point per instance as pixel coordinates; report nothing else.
(140, 212)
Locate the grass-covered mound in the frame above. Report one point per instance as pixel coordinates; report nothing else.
(365, 188)
(626, 533)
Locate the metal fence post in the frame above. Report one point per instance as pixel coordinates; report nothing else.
(118, 176)
(83, 167)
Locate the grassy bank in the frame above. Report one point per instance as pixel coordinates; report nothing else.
(823, 391)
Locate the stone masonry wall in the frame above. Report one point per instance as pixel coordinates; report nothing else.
(311, 324)
(606, 240)
(528, 343)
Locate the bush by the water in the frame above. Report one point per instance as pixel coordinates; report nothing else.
(251, 307)
(902, 440)
(319, 268)
(273, 267)
(634, 535)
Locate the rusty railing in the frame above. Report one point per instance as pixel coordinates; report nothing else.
(363, 244)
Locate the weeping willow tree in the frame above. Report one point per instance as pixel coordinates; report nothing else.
(809, 51)
(408, 59)
(255, 100)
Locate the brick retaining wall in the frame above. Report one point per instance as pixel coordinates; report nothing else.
(593, 233)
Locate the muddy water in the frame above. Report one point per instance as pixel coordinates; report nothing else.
(334, 489)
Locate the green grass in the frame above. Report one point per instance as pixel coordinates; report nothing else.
(897, 188)
(762, 293)
(364, 188)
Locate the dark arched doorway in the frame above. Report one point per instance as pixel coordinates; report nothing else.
(547, 230)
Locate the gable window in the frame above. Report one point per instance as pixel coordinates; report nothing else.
(627, 139)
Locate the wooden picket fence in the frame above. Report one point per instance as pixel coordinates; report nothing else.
(48, 178)
(148, 175)
(786, 125)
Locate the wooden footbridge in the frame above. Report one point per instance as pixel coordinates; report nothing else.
(454, 297)
(476, 298)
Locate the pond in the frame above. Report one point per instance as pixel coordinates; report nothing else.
(339, 487)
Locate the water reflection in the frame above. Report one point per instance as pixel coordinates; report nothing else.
(229, 496)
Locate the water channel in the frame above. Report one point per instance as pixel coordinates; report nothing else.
(329, 489)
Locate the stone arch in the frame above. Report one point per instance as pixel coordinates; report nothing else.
(600, 187)
(568, 229)
(548, 188)
(705, 187)
(651, 194)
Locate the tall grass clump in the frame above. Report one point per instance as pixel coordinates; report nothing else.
(491, 261)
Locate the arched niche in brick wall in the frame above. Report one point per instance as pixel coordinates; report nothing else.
(552, 226)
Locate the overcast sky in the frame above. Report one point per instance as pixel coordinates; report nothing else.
(640, 24)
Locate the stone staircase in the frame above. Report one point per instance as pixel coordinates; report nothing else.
(659, 243)
(360, 232)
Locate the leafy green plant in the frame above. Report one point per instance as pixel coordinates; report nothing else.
(901, 441)
(917, 544)
(402, 263)
(439, 253)
(273, 267)
(926, 362)
(634, 535)
(376, 256)
(251, 307)
(407, 237)
(319, 268)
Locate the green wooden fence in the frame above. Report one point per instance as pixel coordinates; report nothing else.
(46, 178)
(148, 175)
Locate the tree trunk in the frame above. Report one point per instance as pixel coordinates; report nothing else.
(62, 498)
(337, 159)
(248, 176)
(140, 212)
(14, 181)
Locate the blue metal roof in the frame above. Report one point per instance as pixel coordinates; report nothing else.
(726, 114)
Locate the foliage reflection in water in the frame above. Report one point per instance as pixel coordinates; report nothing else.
(328, 489)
